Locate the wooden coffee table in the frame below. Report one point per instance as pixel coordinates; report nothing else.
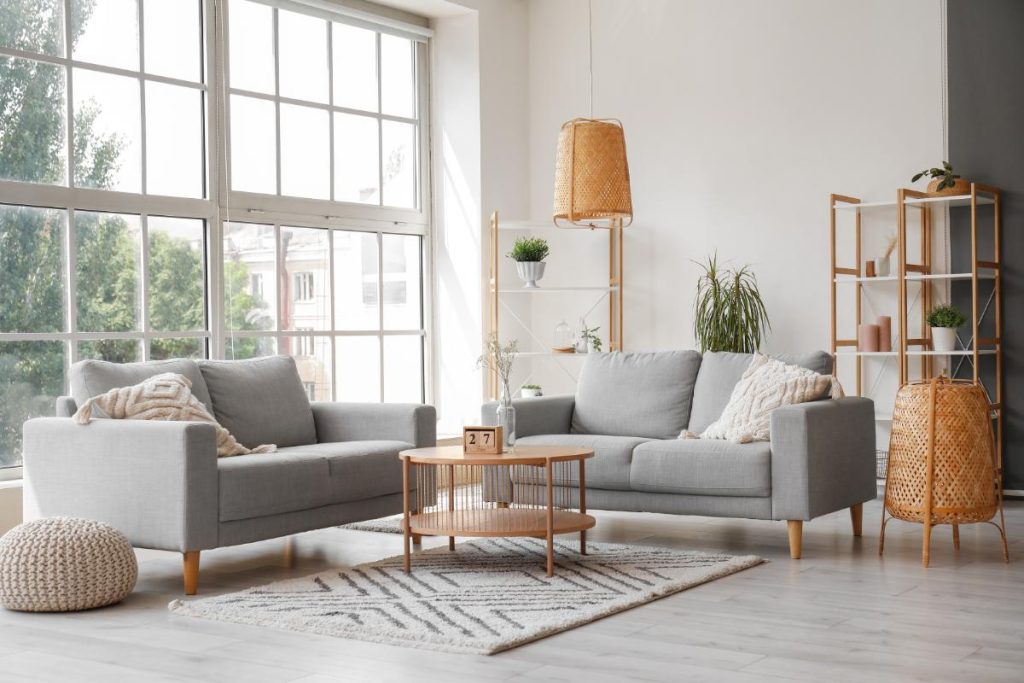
(537, 491)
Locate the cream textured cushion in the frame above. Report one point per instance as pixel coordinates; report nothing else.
(167, 396)
(63, 564)
(766, 385)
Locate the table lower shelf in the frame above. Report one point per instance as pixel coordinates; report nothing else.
(497, 522)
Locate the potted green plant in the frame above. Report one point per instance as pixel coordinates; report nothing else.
(529, 254)
(728, 314)
(530, 391)
(944, 180)
(944, 320)
(589, 341)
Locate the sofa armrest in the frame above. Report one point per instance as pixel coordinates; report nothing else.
(823, 457)
(413, 423)
(154, 481)
(540, 415)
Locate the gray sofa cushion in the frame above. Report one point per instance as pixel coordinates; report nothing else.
(635, 394)
(271, 484)
(359, 469)
(260, 400)
(94, 377)
(702, 467)
(719, 373)
(608, 469)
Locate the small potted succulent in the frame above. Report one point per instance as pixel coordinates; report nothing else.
(944, 320)
(530, 391)
(529, 254)
(944, 181)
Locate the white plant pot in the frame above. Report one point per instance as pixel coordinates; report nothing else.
(882, 266)
(944, 339)
(529, 393)
(530, 272)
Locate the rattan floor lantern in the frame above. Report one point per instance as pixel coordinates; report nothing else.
(943, 464)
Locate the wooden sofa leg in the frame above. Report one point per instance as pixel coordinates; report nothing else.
(857, 518)
(190, 564)
(796, 530)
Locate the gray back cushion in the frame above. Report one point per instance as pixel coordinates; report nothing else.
(635, 394)
(721, 370)
(260, 401)
(94, 377)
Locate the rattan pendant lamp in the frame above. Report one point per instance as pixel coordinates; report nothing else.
(591, 170)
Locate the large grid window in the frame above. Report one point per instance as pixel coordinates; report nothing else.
(122, 237)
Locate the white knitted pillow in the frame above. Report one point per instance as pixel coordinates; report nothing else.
(765, 385)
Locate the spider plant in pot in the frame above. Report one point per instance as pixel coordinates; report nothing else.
(728, 314)
(944, 320)
(944, 181)
(529, 254)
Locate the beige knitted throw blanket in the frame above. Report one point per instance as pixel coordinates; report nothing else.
(167, 396)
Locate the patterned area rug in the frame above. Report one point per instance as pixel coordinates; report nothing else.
(487, 596)
(383, 525)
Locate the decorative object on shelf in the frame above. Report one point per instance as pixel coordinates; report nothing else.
(65, 564)
(564, 340)
(588, 339)
(944, 182)
(869, 268)
(944, 321)
(729, 314)
(529, 254)
(482, 440)
(943, 466)
(882, 263)
(867, 338)
(499, 359)
(884, 333)
(591, 170)
(531, 391)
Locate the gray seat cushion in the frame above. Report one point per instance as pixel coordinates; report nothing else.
(260, 401)
(94, 377)
(719, 373)
(359, 469)
(272, 483)
(703, 467)
(635, 394)
(608, 469)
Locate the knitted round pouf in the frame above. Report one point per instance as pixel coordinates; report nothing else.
(63, 564)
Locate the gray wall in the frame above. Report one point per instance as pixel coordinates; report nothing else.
(986, 144)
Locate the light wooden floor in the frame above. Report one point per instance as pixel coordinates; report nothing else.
(839, 614)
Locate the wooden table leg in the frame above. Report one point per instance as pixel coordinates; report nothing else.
(551, 519)
(583, 504)
(451, 503)
(956, 536)
(405, 522)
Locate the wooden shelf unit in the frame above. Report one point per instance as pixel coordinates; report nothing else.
(909, 272)
(613, 290)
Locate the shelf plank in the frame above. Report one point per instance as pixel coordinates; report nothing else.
(958, 352)
(886, 354)
(954, 200)
(555, 290)
(914, 277)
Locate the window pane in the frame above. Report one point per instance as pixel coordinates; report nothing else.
(306, 303)
(33, 26)
(355, 281)
(250, 291)
(402, 309)
(358, 366)
(253, 145)
(112, 350)
(302, 41)
(175, 296)
(356, 159)
(399, 150)
(354, 51)
(173, 44)
(33, 135)
(107, 149)
(252, 46)
(184, 347)
(313, 363)
(105, 32)
(403, 369)
(238, 347)
(31, 378)
(305, 152)
(174, 138)
(31, 269)
(107, 268)
(397, 84)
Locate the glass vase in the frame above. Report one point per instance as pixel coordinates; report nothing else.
(507, 420)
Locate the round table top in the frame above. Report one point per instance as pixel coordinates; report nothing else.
(519, 455)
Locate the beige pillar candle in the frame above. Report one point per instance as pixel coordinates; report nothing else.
(884, 333)
(867, 338)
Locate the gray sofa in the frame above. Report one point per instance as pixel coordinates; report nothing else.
(163, 486)
(631, 407)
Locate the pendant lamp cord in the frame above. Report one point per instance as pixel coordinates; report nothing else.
(590, 47)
